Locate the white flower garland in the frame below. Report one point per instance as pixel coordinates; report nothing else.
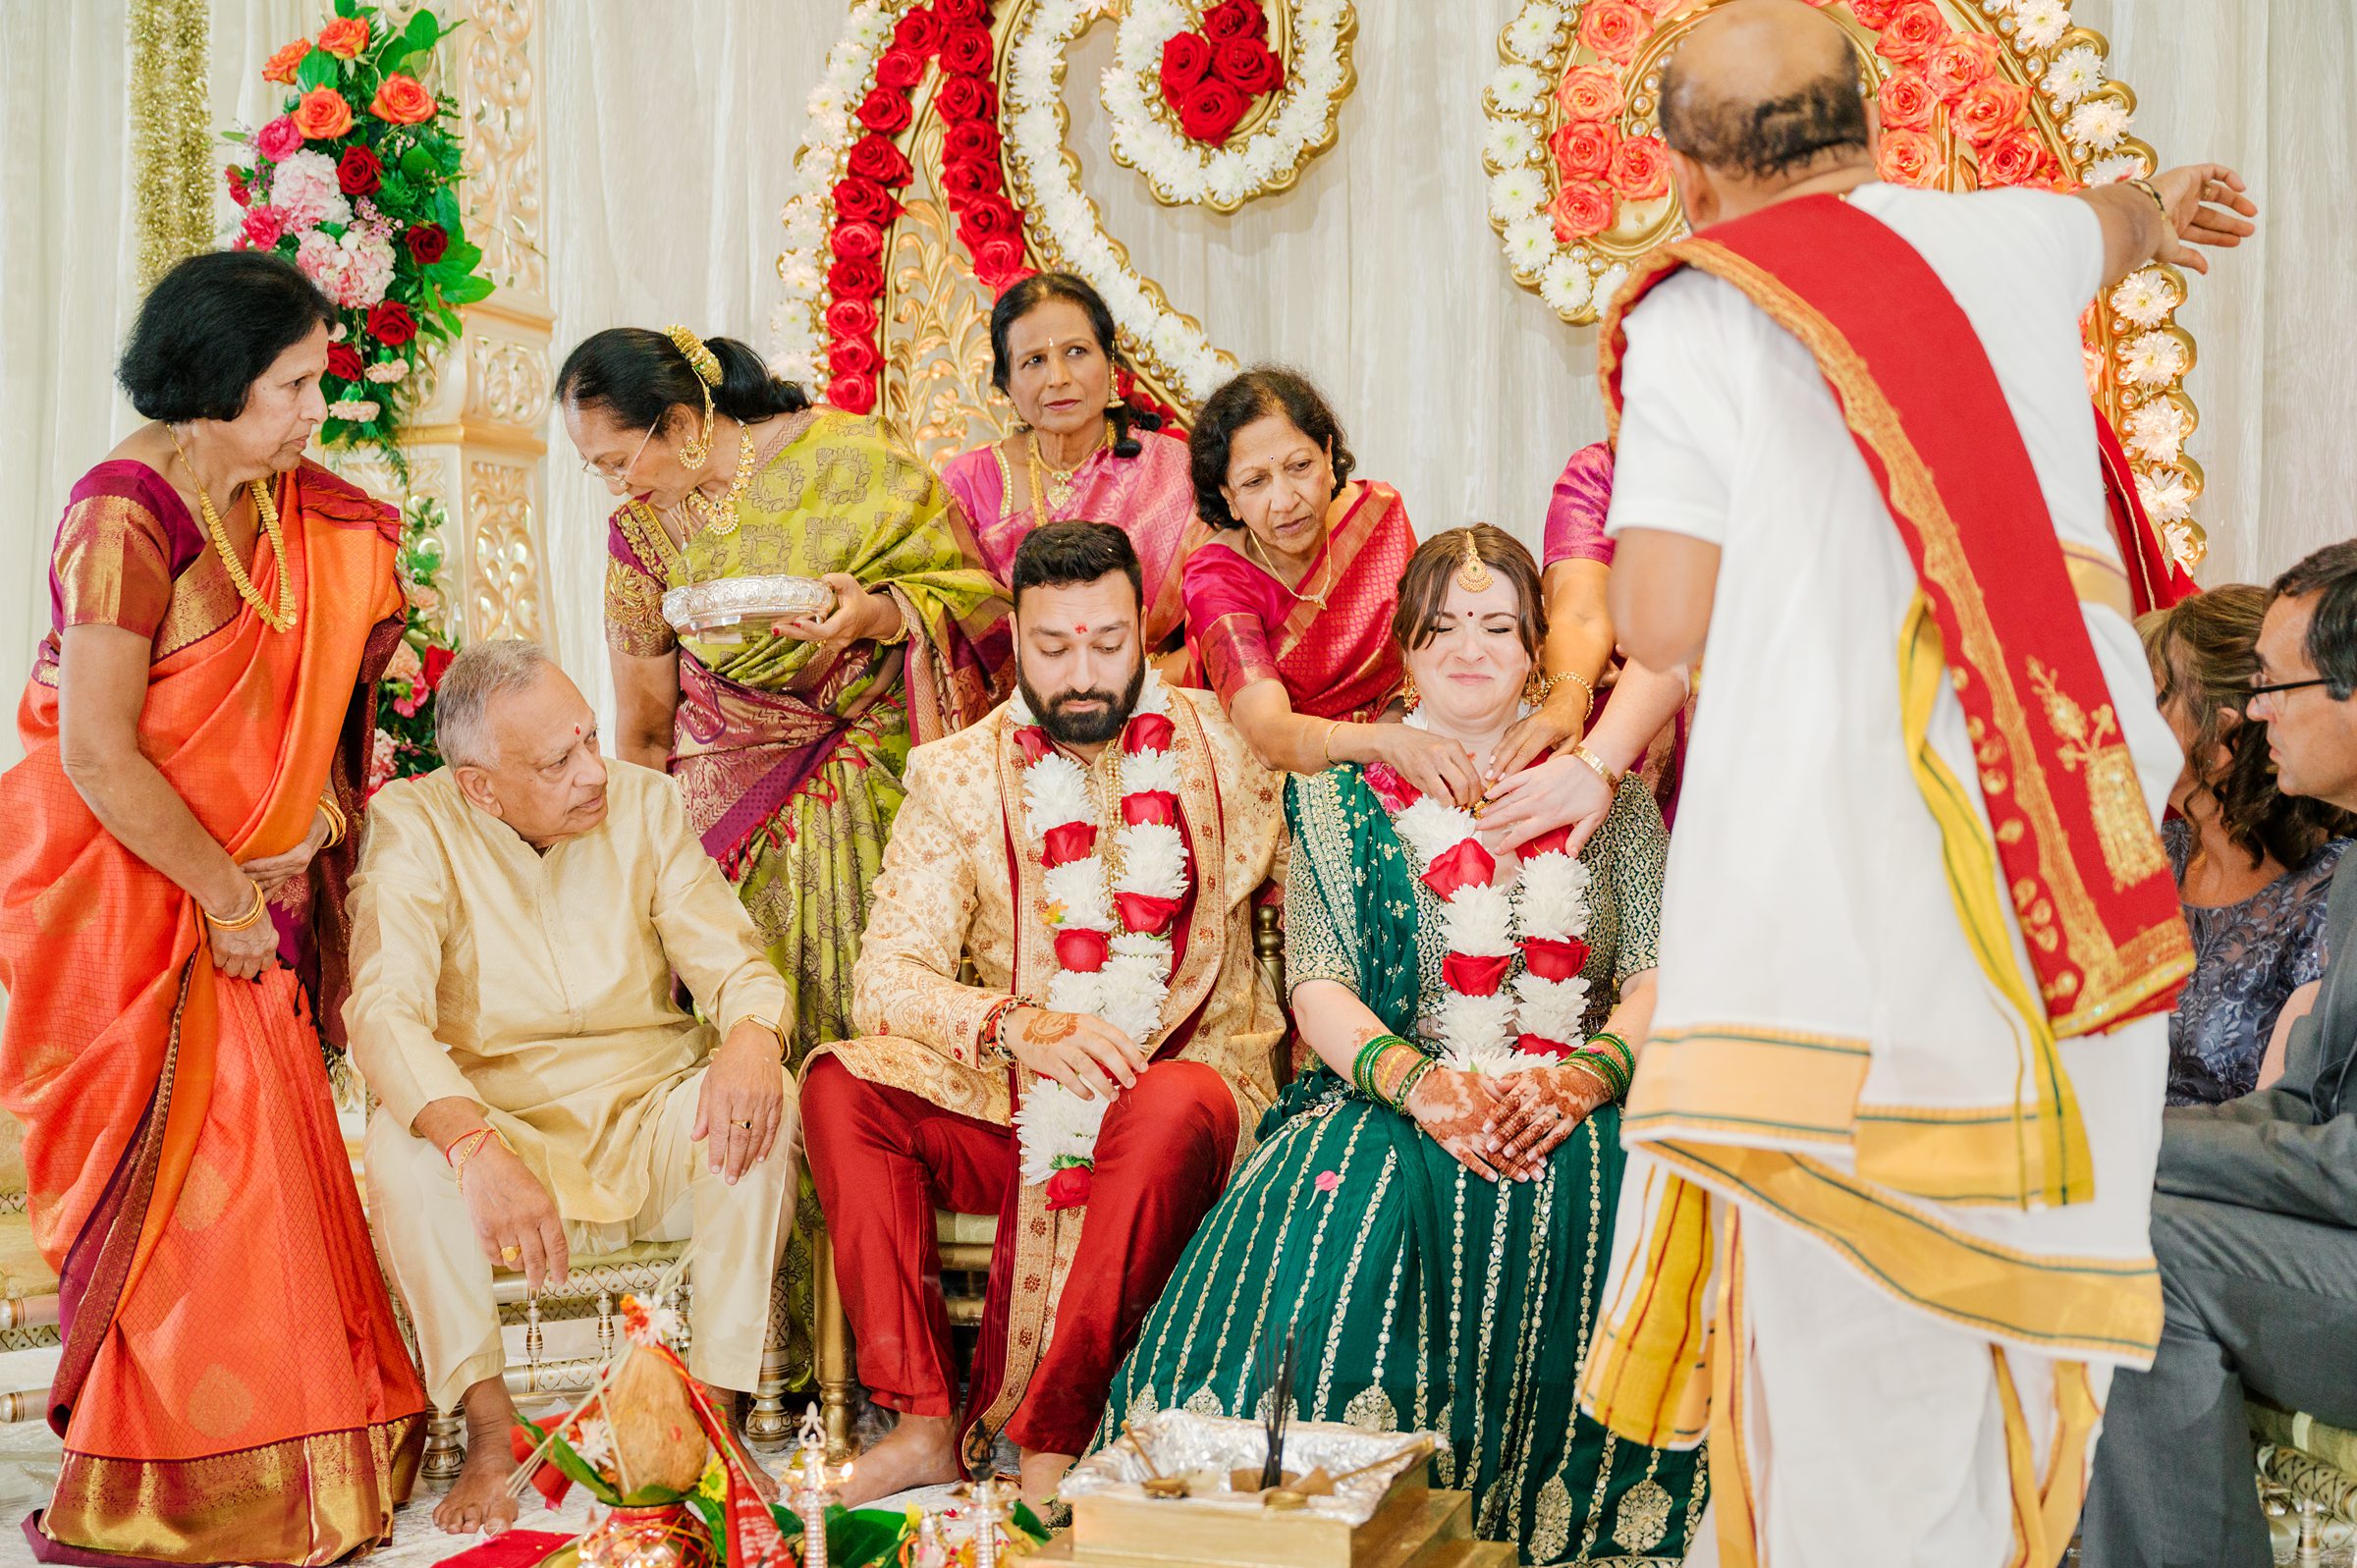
(1061, 220)
(797, 325)
(1299, 126)
(1056, 1127)
(1546, 900)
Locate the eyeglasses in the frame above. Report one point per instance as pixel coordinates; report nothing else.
(2286, 685)
(609, 474)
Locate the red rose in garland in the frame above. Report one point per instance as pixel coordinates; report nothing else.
(322, 115)
(962, 13)
(858, 241)
(900, 69)
(851, 318)
(1580, 210)
(854, 276)
(919, 33)
(969, 140)
(1000, 262)
(1990, 110)
(968, 177)
(1210, 110)
(992, 217)
(1583, 148)
(1874, 14)
(428, 244)
(1185, 61)
(1234, 19)
(1641, 168)
(1247, 65)
(885, 110)
(863, 201)
(1212, 76)
(967, 52)
(852, 357)
(967, 98)
(2013, 158)
(344, 361)
(391, 324)
(359, 172)
(852, 393)
(1962, 62)
(876, 158)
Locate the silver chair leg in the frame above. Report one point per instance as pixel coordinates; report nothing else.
(445, 1447)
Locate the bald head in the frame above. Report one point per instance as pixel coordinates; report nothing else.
(1765, 90)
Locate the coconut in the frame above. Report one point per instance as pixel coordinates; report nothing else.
(657, 1440)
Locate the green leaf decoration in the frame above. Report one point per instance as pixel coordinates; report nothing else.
(318, 69)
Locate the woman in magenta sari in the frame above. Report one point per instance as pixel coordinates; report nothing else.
(1091, 455)
(1625, 716)
(1288, 604)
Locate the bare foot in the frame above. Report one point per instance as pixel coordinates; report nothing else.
(921, 1451)
(478, 1499)
(1041, 1474)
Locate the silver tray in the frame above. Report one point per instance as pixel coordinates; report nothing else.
(725, 601)
(1207, 1447)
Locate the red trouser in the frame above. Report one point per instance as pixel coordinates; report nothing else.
(884, 1159)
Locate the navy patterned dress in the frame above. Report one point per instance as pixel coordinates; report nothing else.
(2248, 958)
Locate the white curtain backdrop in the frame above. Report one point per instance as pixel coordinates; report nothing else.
(670, 126)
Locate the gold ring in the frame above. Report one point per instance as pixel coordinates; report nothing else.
(744, 1124)
(510, 1253)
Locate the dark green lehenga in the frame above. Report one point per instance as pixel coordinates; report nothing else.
(1425, 1297)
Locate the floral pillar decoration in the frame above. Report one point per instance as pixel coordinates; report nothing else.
(1973, 94)
(170, 104)
(405, 179)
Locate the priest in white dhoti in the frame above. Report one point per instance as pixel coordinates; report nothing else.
(1882, 1232)
(519, 917)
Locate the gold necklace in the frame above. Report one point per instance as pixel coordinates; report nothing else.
(1050, 486)
(720, 517)
(1252, 544)
(283, 619)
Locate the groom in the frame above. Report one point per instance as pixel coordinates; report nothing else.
(1116, 979)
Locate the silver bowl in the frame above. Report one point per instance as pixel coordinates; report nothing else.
(723, 603)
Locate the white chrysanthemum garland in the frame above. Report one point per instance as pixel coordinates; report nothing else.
(1299, 126)
(1482, 1024)
(1062, 221)
(1114, 951)
(797, 325)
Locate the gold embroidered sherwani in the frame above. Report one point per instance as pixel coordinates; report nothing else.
(963, 877)
(541, 988)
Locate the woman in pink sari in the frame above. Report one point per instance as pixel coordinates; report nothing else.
(1078, 444)
(1631, 717)
(1290, 603)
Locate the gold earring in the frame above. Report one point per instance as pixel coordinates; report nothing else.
(1533, 692)
(1112, 402)
(693, 453)
(1410, 697)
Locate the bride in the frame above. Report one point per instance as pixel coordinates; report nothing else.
(1431, 1205)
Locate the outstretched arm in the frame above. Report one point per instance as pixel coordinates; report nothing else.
(1663, 587)
(2200, 204)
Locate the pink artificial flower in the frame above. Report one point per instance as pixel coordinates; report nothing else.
(380, 759)
(278, 138)
(261, 228)
(1329, 1180)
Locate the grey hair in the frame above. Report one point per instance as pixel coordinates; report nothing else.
(481, 671)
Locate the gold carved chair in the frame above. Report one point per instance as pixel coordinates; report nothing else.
(966, 1241)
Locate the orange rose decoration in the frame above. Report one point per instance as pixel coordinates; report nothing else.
(1907, 101)
(281, 66)
(322, 115)
(1580, 210)
(403, 101)
(1962, 62)
(345, 37)
(1990, 109)
(1614, 29)
(1909, 158)
(1588, 92)
(1641, 168)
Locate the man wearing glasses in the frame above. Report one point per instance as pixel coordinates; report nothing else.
(2255, 1215)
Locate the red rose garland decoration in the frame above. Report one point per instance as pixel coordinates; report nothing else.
(1212, 76)
(866, 201)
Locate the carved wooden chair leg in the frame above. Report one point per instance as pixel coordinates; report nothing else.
(835, 1374)
(445, 1447)
(765, 1424)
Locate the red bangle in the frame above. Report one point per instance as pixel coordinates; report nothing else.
(987, 1042)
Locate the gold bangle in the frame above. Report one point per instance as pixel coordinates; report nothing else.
(1548, 683)
(2159, 200)
(337, 823)
(1326, 750)
(1611, 779)
(251, 917)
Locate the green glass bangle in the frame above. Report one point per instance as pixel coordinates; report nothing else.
(1407, 1085)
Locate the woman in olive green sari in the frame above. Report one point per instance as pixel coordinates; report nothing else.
(1430, 1208)
(788, 737)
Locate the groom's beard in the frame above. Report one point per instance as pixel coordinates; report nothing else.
(1084, 717)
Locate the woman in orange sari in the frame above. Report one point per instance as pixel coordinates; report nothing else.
(1290, 603)
(233, 1387)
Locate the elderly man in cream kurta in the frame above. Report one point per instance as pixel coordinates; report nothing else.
(519, 917)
